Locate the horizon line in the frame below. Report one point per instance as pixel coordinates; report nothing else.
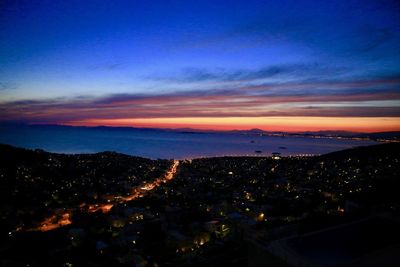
(192, 128)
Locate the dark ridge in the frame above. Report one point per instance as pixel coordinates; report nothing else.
(12, 151)
(388, 149)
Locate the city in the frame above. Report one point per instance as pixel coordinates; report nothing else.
(212, 133)
(202, 212)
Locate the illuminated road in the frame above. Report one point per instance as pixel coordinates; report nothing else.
(54, 221)
(63, 217)
(137, 192)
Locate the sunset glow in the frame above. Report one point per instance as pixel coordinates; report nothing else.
(290, 124)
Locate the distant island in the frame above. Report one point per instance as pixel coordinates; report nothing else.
(393, 136)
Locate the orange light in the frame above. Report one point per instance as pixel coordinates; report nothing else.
(289, 124)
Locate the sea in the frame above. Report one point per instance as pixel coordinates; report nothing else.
(165, 144)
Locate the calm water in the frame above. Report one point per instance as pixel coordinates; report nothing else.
(163, 144)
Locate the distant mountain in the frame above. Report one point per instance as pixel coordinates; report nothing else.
(330, 133)
(251, 131)
(381, 135)
(339, 133)
(374, 136)
(394, 135)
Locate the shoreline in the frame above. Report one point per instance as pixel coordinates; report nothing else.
(255, 155)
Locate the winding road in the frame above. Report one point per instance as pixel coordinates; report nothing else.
(63, 217)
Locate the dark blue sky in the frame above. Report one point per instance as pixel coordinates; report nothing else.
(342, 57)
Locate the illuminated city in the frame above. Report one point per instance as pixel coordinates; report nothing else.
(173, 133)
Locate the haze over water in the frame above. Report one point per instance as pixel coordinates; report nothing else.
(151, 143)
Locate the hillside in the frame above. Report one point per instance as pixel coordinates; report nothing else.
(35, 182)
(207, 213)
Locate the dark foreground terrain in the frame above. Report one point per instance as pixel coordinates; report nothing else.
(109, 209)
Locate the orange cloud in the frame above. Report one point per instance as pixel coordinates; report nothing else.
(360, 109)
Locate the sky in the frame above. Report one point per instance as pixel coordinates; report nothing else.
(287, 65)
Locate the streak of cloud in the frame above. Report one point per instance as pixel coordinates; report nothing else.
(369, 98)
